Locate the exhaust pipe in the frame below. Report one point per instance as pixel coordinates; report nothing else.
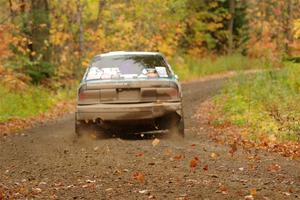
(99, 122)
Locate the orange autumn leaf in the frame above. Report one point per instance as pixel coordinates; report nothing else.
(139, 176)
(194, 162)
(253, 192)
(179, 157)
(224, 190)
(274, 168)
(140, 154)
(233, 148)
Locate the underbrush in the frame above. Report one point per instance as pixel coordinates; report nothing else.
(187, 67)
(266, 103)
(31, 101)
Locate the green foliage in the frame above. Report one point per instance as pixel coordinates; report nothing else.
(268, 103)
(188, 67)
(39, 71)
(30, 102)
(205, 27)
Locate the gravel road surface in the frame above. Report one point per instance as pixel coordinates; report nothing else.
(48, 162)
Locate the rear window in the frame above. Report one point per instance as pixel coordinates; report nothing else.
(128, 66)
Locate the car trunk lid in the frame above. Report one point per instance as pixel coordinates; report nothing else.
(133, 91)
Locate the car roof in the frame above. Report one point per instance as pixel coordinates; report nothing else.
(120, 53)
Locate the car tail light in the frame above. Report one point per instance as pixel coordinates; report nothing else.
(173, 93)
(167, 93)
(81, 96)
(81, 93)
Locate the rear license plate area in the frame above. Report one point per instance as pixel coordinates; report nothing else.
(129, 93)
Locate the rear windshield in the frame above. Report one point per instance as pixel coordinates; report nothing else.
(128, 66)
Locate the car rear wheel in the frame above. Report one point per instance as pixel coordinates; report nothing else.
(179, 128)
(81, 127)
(172, 122)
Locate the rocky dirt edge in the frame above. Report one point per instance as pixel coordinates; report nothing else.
(237, 137)
(16, 125)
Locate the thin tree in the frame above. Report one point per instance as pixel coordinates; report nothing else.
(101, 5)
(80, 36)
(288, 26)
(230, 26)
(40, 29)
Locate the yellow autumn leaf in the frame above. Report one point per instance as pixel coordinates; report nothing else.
(253, 191)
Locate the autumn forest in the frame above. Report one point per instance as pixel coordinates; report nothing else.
(238, 62)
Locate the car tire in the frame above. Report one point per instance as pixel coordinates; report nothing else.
(180, 127)
(174, 123)
(80, 128)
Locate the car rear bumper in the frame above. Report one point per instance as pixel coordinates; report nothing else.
(115, 112)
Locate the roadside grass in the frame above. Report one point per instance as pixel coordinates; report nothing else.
(31, 101)
(266, 103)
(187, 67)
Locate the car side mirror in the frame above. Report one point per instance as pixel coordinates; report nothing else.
(176, 76)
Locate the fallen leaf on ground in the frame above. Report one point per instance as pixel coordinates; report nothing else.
(194, 162)
(222, 190)
(108, 189)
(141, 154)
(155, 142)
(139, 176)
(249, 197)
(205, 168)
(253, 191)
(70, 186)
(286, 193)
(233, 148)
(168, 152)
(179, 157)
(37, 190)
(96, 148)
(214, 155)
(144, 191)
(274, 168)
(193, 145)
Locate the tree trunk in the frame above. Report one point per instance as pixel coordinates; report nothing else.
(288, 26)
(101, 6)
(230, 26)
(12, 12)
(22, 6)
(40, 29)
(80, 36)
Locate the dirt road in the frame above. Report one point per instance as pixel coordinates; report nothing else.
(48, 163)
